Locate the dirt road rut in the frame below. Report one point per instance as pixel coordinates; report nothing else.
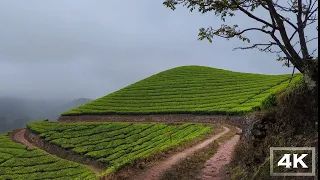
(155, 172)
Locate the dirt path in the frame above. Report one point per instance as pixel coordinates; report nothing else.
(213, 169)
(19, 137)
(155, 172)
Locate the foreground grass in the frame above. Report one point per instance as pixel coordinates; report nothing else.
(19, 163)
(117, 144)
(191, 167)
(132, 171)
(190, 89)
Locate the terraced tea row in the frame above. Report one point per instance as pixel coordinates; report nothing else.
(19, 163)
(190, 89)
(116, 144)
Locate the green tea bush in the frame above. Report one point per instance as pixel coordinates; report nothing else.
(19, 163)
(191, 90)
(117, 144)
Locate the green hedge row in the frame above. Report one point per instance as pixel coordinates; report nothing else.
(19, 163)
(116, 144)
(192, 90)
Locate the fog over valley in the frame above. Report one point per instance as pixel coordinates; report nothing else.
(16, 112)
(57, 55)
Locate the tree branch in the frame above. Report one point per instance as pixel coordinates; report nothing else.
(257, 46)
(303, 44)
(314, 51)
(291, 76)
(282, 17)
(296, 59)
(253, 29)
(251, 15)
(304, 24)
(280, 21)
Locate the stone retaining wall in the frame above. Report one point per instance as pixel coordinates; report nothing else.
(239, 121)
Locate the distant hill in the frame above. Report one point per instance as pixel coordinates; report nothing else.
(16, 112)
(55, 113)
(190, 89)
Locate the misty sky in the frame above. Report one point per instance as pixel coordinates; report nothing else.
(74, 49)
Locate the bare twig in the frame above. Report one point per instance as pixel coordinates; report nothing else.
(291, 76)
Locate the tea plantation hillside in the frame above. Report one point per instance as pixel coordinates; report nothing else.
(190, 89)
(117, 144)
(17, 162)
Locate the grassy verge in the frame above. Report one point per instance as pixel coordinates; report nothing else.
(191, 167)
(292, 123)
(129, 171)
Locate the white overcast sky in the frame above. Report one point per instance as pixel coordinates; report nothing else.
(77, 48)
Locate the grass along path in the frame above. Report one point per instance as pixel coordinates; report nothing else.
(155, 172)
(213, 169)
(192, 166)
(19, 136)
(117, 144)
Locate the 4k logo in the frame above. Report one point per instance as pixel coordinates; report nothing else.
(286, 161)
(292, 161)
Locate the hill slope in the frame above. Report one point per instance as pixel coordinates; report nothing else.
(117, 144)
(17, 162)
(17, 112)
(189, 89)
(54, 114)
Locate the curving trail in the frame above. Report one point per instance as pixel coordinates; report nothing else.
(156, 171)
(19, 137)
(213, 169)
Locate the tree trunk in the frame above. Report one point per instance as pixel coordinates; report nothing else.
(310, 72)
(311, 79)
